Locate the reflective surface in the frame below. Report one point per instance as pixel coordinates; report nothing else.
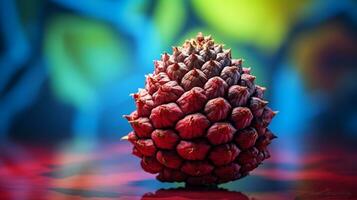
(67, 67)
(107, 170)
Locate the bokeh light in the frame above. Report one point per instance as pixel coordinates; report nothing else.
(67, 69)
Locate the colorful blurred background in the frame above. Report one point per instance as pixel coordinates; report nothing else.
(67, 69)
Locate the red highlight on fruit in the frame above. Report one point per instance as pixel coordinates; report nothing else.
(201, 119)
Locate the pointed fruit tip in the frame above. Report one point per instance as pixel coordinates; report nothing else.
(125, 137)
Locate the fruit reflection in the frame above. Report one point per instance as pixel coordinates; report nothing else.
(183, 193)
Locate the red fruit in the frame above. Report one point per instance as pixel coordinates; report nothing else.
(176, 71)
(192, 100)
(199, 109)
(193, 150)
(136, 152)
(231, 75)
(165, 139)
(193, 78)
(165, 115)
(202, 180)
(259, 125)
(247, 80)
(189, 48)
(215, 87)
(257, 106)
(144, 103)
(246, 70)
(266, 154)
(169, 92)
(171, 175)
(224, 58)
(242, 117)
(211, 68)
(223, 154)
(151, 165)
(132, 116)
(238, 63)
(153, 82)
(146, 147)
(169, 159)
(142, 127)
(177, 55)
(197, 168)
(228, 172)
(238, 95)
(264, 140)
(218, 48)
(220, 133)
(207, 53)
(217, 109)
(259, 91)
(248, 159)
(246, 138)
(192, 126)
(161, 65)
(165, 57)
(267, 115)
(270, 134)
(194, 61)
(132, 138)
(260, 157)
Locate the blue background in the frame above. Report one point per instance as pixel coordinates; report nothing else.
(67, 67)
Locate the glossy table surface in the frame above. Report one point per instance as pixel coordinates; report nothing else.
(107, 170)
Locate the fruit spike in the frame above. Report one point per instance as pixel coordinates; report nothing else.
(201, 119)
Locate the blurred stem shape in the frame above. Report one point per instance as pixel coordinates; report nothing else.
(326, 57)
(83, 56)
(261, 23)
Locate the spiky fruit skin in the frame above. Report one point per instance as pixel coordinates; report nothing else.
(201, 119)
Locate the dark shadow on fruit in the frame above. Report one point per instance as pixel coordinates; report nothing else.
(190, 192)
